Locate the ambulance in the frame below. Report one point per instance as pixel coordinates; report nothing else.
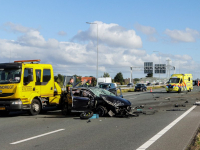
(179, 83)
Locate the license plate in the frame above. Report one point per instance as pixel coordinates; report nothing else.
(2, 108)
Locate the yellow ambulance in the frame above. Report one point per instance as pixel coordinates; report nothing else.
(180, 82)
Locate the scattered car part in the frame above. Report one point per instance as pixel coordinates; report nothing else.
(86, 115)
(179, 105)
(176, 110)
(197, 103)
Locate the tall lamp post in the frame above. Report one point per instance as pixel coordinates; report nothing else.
(97, 43)
(159, 63)
(131, 74)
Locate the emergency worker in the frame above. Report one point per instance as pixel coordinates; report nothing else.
(88, 83)
(69, 84)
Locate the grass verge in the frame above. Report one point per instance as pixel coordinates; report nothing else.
(195, 144)
(148, 88)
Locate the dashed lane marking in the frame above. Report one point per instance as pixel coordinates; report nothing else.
(34, 137)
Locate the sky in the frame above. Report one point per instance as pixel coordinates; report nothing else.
(130, 32)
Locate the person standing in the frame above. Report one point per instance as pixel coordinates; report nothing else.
(88, 83)
(69, 84)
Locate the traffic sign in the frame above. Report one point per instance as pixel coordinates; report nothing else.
(160, 68)
(148, 67)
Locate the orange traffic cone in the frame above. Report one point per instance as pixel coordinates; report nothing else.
(151, 90)
(198, 82)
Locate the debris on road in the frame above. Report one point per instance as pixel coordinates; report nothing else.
(176, 110)
(141, 106)
(179, 105)
(88, 121)
(197, 103)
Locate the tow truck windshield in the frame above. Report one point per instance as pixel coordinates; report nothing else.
(8, 76)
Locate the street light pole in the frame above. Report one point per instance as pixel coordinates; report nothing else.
(131, 75)
(159, 63)
(97, 45)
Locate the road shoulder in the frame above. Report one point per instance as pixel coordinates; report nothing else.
(180, 135)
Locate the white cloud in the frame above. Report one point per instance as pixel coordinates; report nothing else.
(62, 33)
(145, 29)
(148, 31)
(74, 58)
(189, 35)
(111, 34)
(9, 26)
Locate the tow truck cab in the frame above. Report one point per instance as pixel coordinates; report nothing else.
(27, 85)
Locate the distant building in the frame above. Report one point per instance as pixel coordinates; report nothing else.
(85, 79)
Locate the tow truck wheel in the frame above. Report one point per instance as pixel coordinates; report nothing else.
(35, 107)
(101, 110)
(4, 113)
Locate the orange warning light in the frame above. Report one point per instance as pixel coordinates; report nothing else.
(22, 61)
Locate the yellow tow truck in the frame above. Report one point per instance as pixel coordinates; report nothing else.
(27, 85)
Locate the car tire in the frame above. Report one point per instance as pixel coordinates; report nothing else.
(86, 115)
(4, 113)
(101, 110)
(167, 91)
(179, 90)
(35, 107)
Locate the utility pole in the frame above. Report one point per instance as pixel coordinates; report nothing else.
(131, 74)
(168, 68)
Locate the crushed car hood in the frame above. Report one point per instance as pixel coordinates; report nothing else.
(116, 101)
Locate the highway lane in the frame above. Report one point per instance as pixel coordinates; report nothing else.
(102, 133)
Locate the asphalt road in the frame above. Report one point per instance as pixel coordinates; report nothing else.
(53, 131)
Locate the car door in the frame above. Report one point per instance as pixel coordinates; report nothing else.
(80, 102)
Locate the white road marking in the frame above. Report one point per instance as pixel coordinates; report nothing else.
(34, 137)
(163, 131)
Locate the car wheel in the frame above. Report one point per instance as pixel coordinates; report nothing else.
(86, 115)
(35, 107)
(101, 110)
(4, 113)
(167, 91)
(179, 90)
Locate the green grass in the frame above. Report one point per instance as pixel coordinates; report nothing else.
(148, 88)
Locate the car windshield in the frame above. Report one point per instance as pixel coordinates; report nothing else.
(139, 85)
(104, 85)
(99, 91)
(174, 80)
(10, 76)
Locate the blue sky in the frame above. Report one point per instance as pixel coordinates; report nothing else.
(129, 32)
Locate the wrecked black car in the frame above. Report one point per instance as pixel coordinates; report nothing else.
(97, 100)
